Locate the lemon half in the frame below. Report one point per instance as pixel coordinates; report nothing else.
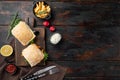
(6, 50)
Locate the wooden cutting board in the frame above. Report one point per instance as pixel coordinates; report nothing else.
(39, 40)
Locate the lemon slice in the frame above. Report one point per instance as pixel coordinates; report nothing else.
(6, 50)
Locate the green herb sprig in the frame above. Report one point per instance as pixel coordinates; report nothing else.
(13, 23)
(42, 12)
(31, 42)
(45, 56)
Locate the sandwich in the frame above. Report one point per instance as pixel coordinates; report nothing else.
(23, 33)
(33, 54)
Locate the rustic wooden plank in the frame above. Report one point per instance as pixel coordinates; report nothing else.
(82, 1)
(91, 78)
(39, 40)
(47, 0)
(3, 36)
(94, 41)
(91, 68)
(25, 9)
(99, 14)
(80, 43)
(85, 44)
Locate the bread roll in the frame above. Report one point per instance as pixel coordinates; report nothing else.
(23, 33)
(33, 54)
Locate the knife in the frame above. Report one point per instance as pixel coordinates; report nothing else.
(49, 72)
(43, 70)
(38, 72)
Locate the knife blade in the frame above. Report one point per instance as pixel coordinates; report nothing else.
(49, 72)
(43, 70)
(38, 72)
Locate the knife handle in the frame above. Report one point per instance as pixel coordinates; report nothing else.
(27, 77)
(30, 76)
(37, 76)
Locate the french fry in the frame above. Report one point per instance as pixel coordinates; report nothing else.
(42, 10)
(36, 10)
(40, 5)
(37, 5)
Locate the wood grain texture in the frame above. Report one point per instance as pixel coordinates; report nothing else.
(74, 13)
(91, 78)
(82, 1)
(84, 44)
(91, 68)
(90, 47)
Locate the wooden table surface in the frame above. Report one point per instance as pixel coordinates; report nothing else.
(90, 48)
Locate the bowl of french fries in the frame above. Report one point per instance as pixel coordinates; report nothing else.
(42, 10)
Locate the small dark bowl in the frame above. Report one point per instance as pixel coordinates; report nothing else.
(34, 5)
(9, 71)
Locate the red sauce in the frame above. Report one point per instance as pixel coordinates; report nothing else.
(11, 68)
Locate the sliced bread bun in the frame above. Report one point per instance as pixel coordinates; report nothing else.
(33, 54)
(23, 33)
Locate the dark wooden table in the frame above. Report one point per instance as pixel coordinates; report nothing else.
(90, 48)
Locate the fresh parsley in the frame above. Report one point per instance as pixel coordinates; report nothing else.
(42, 12)
(31, 42)
(45, 56)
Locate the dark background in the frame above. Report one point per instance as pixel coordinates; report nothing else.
(90, 48)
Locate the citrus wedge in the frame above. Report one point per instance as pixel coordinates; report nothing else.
(6, 50)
